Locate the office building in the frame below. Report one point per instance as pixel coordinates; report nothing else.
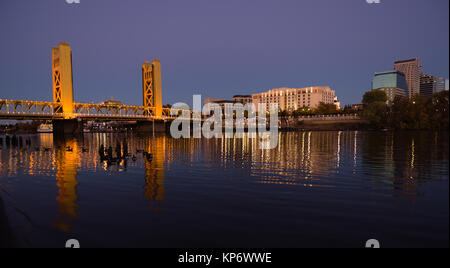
(427, 83)
(440, 84)
(411, 69)
(392, 82)
(430, 85)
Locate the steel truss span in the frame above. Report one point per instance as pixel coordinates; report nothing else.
(28, 110)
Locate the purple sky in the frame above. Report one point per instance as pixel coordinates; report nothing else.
(217, 48)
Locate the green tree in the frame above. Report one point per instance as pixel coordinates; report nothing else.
(440, 110)
(375, 108)
(418, 112)
(421, 108)
(283, 113)
(376, 114)
(399, 109)
(374, 96)
(326, 108)
(414, 113)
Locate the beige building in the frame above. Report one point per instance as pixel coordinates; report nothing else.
(291, 99)
(411, 69)
(213, 100)
(244, 99)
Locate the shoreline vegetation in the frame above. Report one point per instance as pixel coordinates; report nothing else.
(377, 113)
(27, 127)
(403, 113)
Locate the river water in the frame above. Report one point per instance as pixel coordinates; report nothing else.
(316, 189)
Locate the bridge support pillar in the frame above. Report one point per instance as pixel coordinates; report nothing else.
(148, 127)
(67, 127)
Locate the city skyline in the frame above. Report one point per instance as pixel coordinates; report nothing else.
(216, 51)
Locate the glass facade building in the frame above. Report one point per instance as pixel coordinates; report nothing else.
(430, 84)
(392, 82)
(440, 84)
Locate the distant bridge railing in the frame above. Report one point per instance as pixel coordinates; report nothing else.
(329, 117)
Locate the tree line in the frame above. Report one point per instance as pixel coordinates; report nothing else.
(406, 113)
(321, 109)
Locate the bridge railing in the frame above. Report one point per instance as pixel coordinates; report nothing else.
(14, 108)
(330, 117)
(19, 109)
(117, 110)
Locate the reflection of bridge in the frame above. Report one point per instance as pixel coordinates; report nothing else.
(68, 163)
(67, 114)
(70, 167)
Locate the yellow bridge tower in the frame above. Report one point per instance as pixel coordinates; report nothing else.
(69, 116)
(62, 79)
(151, 85)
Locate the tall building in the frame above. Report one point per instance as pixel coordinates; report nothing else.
(440, 84)
(427, 83)
(392, 82)
(411, 68)
(291, 99)
(430, 84)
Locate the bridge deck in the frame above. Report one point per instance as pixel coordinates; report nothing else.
(38, 110)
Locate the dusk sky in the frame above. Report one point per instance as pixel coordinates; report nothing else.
(217, 48)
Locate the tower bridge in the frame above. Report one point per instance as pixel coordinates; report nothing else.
(67, 115)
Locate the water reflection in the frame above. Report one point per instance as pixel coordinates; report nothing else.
(300, 159)
(67, 162)
(404, 160)
(154, 170)
(349, 160)
(64, 158)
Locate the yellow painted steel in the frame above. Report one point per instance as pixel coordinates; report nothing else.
(147, 84)
(64, 107)
(151, 86)
(20, 109)
(157, 87)
(62, 79)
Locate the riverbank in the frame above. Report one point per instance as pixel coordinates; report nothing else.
(346, 125)
(323, 125)
(285, 125)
